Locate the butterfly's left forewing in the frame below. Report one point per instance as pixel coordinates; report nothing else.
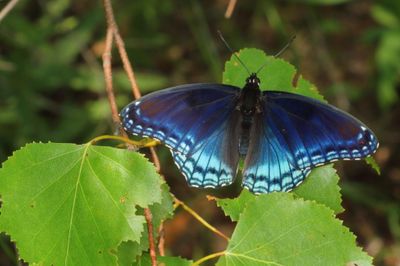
(181, 117)
(198, 122)
(294, 134)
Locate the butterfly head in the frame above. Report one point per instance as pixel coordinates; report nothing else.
(253, 81)
(250, 96)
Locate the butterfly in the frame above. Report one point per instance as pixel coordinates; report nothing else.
(280, 136)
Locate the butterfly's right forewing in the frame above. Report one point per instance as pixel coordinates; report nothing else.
(294, 134)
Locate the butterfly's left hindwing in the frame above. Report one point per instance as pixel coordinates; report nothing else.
(294, 134)
(181, 117)
(198, 122)
(214, 164)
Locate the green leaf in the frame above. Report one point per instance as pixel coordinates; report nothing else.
(277, 74)
(385, 16)
(234, 207)
(322, 186)
(129, 250)
(169, 261)
(371, 162)
(75, 203)
(279, 229)
(388, 64)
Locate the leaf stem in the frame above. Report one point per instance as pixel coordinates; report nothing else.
(199, 218)
(209, 257)
(145, 143)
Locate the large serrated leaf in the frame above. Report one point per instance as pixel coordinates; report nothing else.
(374, 165)
(276, 75)
(128, 251)
(279, 229)
(320, 185)
(234, 207)
(66, 204)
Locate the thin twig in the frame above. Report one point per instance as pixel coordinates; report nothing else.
(127, 65)
(7, 9)
(209, 257)
(230, 8)
(121, 48)
(199, 218)
(109, 14)
(112, 30)
(161, 240)
(155, 159)
(107, 57)
(149, 219)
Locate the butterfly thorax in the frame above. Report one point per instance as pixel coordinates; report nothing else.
(249, 105)
(250, 96)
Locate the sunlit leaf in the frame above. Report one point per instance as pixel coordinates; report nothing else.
(234, 207)
(75, 203)
(322, 186)
(276, 74)
(279, 229)
(129, 250)
(371, 161)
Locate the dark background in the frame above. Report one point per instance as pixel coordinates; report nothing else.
(52, 88)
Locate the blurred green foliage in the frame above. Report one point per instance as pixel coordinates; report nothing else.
(52, 87)
(51, 79)
(387, 14)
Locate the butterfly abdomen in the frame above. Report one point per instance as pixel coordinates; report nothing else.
(244, 137)
(249, 105)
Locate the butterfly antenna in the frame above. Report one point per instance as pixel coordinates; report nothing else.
(286, 46)
(230, 50)
(280, 51)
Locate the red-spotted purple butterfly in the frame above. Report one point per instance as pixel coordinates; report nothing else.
(281, 136)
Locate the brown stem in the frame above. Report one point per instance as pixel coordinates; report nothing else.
(127, 65)
(230, 8)
(149, 219)
(161, 240)
(112, 31)
(155, 159)
(10, 5)
(107, 56)
(199, 218)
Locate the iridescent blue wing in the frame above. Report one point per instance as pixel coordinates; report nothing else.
(181, 117)
(195, 121)
(215, 163)
(293, 134)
